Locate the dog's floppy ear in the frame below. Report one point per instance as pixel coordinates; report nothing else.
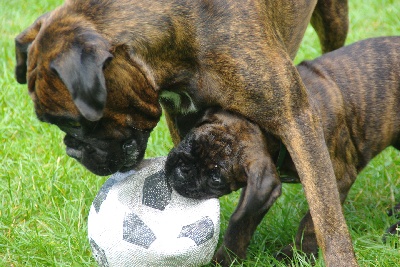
(263, 183)
(81, 70)
(22, 42)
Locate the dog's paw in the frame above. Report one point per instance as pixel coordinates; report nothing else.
(225, 258)
(287, 254)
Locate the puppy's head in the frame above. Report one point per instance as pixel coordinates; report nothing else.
(92, 91)
(218, 156)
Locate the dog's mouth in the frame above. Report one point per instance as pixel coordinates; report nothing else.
(104, 158)
(132, 155)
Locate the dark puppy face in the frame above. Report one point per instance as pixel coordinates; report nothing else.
(218, 156)
(93, 92)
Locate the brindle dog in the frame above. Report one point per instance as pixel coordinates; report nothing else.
(99, 70)
(356, 91)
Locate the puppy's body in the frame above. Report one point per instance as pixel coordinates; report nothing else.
(356, 91)
(99, 70)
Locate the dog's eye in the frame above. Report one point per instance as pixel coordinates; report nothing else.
(216, 178)
(215, 175)
(72, 124)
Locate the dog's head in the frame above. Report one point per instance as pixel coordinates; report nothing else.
(92, 91)
(218, 156)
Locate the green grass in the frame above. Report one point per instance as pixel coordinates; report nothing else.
(45, 196)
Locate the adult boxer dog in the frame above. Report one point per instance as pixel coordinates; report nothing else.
(356, 92)
(98, 69)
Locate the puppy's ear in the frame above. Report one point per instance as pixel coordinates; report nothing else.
(22, 42)
(263, 183)
(81, 70)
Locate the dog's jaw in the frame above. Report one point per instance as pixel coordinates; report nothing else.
(105, 158)
(132, 155)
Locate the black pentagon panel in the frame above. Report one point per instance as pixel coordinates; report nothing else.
(200, 231)
(136, 232)
(98, 254)
(156, 191)
(102, 194)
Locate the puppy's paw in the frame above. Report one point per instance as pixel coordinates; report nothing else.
(225, 258)
(287, 254)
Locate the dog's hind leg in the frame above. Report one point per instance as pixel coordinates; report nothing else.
(306, 240)
(330, 21)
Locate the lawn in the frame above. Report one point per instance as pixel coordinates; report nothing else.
(46, 195)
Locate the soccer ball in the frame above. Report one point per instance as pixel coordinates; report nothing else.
(137, 219)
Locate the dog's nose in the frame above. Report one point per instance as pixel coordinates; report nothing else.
(74, 153)
(131, 152)
(176, 177)
(178, 180)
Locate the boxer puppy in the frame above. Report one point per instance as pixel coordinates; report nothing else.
(100, 69)
(356, 90)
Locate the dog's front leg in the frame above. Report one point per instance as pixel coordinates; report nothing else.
(262, 189)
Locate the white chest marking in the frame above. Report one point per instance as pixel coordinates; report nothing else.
(182, 102)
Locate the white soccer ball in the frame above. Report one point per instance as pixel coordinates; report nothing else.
(137, 219)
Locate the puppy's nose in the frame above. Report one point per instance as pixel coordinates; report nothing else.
(176, 177)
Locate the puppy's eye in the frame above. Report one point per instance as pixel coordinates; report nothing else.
(215, 174)
(186, 169)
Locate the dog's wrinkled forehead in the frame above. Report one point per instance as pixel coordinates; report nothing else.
(223, 137)
(61, 57)
(47, 89)
(72, 70)
(212, 144)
